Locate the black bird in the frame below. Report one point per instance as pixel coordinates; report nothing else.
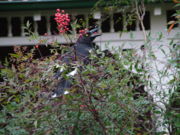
(81, 52)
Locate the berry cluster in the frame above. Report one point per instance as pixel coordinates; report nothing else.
(62, 19)
(82, 32)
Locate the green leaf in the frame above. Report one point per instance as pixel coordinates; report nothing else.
(172, 81)
(36, 124)
(28, 24)
(157, 112)
(15, 55)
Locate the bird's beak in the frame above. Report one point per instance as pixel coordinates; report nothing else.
(93, 33)
(94, 30)
(94, 36)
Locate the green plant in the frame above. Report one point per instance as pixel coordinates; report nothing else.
(101, 101)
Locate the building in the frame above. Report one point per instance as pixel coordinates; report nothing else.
(15, 13)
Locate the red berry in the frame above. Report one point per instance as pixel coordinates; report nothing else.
(58, 10)
(62, 20)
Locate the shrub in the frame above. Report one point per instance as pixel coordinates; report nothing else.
(106, 97)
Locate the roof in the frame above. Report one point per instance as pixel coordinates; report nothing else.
(22, 5)
(44, 4)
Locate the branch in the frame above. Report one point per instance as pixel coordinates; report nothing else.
(140, 12)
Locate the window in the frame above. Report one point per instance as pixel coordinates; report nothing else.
(42, 25)
(3, 27)
(105, 26)
(118, 22)
(16, 26)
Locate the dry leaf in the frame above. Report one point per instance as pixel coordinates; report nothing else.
(171, 27)
(171, 22)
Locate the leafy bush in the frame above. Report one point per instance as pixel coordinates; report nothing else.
(106, 97)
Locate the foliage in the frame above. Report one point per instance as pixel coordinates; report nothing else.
(102, 100)
(115, 3)
(173, 108)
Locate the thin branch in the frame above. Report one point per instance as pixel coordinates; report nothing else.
(140, 12)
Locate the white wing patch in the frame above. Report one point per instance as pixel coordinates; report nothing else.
(74, 72)
(54, 95)
(66, 92)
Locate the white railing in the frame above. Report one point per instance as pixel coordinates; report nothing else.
(112, 35)
(10, 39)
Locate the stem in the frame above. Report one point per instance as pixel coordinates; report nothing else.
(92, 108)
(40, 53)
(140, 11)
